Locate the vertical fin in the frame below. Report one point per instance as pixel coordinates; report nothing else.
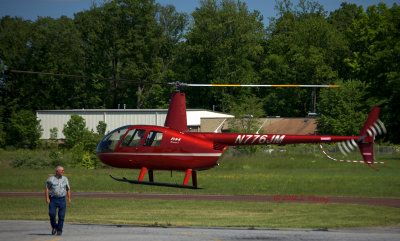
(372, 127)
(367, 135)
(372, 119)
(176, 116)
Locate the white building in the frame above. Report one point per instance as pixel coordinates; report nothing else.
(115, 118)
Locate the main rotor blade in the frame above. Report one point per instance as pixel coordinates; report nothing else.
(176, 84)
(239, 85)
(83, 77)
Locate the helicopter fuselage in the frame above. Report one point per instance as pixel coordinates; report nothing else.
(163, 148)
(157, 148)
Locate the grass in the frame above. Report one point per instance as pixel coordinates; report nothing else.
(260, 174)
(197, 213)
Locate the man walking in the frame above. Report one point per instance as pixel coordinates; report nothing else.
(57, 187)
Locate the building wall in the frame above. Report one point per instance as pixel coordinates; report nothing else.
(113, 119)
(116, 118)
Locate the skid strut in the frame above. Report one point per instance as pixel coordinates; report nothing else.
(187, 176)
(189, 172)
(142, 172)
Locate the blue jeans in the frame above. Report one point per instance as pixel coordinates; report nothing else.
(61, 205)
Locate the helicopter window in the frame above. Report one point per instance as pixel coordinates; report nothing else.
(110, 141)
(153, 139)
(133, 138)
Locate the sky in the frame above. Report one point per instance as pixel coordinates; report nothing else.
(31, 9)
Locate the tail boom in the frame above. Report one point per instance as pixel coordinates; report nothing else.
(232, 139)
(372, 127)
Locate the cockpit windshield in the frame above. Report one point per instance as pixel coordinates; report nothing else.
(133, 138)
(111, 140)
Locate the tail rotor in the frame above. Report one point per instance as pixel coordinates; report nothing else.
(373, 127)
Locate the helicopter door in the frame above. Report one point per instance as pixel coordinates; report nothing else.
(133, 138)
(153, 139)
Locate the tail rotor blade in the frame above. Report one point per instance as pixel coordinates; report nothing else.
(382, 126)
(341, 149)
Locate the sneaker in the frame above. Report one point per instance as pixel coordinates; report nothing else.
(59, 233)
(54, 231)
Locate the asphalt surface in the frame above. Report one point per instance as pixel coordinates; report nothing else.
(40, 231)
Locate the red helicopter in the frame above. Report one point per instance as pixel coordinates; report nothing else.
(173, 147)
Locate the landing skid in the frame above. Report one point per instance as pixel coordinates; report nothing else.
(153, 183)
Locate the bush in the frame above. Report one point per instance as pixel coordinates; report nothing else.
(29, 162)
(88, 161)
(81, 157)
(2, 134)
(56, 159)
(36, 159)
(83, 142)
(75, 130)
(101, 128)
(23, 129)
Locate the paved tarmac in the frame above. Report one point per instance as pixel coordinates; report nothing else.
(40, 231)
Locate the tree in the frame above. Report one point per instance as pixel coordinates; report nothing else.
(15, 37)
(343, 17)
(50, 46)
(82, 142)
(101, 128)
(343, 110)
(222, 46)
(2, 134)
(23, 129)
(375, 43)
(123, 40)
(247, 113)
(130, 39)
(75, 130)
(2, 124)
(173, 25)
(302, 48)
(54, 134)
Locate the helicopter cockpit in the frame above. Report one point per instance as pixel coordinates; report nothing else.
(132, 139)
